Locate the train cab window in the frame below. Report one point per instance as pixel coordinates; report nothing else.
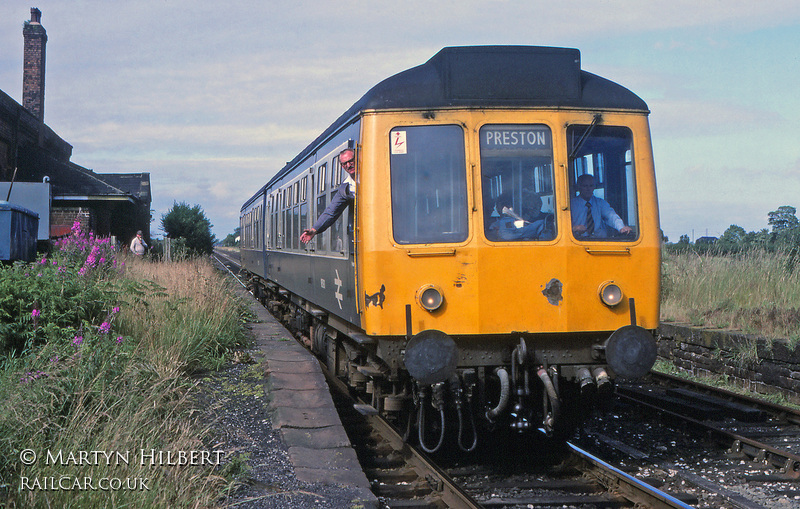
(517, 182)
(603, 203)
(429, 184)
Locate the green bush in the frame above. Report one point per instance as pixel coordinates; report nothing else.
(101, 352)
(46, 301)
(190, 224)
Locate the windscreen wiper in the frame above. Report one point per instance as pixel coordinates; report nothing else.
(596, 120)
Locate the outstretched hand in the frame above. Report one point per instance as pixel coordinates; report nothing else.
(307, 235)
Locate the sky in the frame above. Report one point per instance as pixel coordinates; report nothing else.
(212, 98)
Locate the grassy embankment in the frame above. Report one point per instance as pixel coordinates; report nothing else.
(97, 356)
(755, 292)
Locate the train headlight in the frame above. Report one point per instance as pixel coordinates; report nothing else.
(610, 294)
(430, 297)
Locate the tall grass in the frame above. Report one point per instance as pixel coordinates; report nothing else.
(754, 291)
(117, 380)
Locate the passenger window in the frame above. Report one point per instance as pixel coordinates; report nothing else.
(603, 203)
(336, 168)
(321, 178)
(517, 182)
(429, 184)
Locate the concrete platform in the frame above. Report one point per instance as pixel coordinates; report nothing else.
(302, 409)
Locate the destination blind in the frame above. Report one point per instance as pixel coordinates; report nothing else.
(516, 138)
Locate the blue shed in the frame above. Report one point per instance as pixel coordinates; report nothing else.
(18, 232)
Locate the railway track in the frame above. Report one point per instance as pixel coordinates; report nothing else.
(403, 477)
(738, 451)
(763, 432)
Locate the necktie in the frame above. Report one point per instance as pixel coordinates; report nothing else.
(589, 219)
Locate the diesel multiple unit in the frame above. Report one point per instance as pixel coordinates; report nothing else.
(471, 282)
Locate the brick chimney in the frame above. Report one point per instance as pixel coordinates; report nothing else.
(33, 70)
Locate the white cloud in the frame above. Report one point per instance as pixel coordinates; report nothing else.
(196, 92)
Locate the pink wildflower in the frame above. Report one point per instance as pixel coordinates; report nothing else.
(32, 375)
(77, 340)
(35, 313)
(105, 327)
(115, 310)
(119, 340)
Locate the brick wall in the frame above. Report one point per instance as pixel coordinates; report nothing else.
(758, 364)
(62, 219)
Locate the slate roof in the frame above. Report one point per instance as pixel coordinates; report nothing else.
(74, 181)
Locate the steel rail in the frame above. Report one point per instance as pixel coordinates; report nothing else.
(792, 414)
(626, 485)
(217, 255)
(446, 489)
(756, 450)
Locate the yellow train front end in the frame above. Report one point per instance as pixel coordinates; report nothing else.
(475, 256)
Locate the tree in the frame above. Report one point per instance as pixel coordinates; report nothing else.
(733, 236)
(732, 240)
(191, 224)
(232, 239)
(783, 219)
(684, 239)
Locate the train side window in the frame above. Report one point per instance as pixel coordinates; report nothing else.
(321, 171)
(276, 223)
(602, 164)
(256, 222)
(303, 219)
(517, 182)
(287, 228)
(429, 184)
(295, 224)
(335, 168)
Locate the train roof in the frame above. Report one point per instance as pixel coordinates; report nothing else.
(488, 77)
(499, 76)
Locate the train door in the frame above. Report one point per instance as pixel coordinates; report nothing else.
(320, 201)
